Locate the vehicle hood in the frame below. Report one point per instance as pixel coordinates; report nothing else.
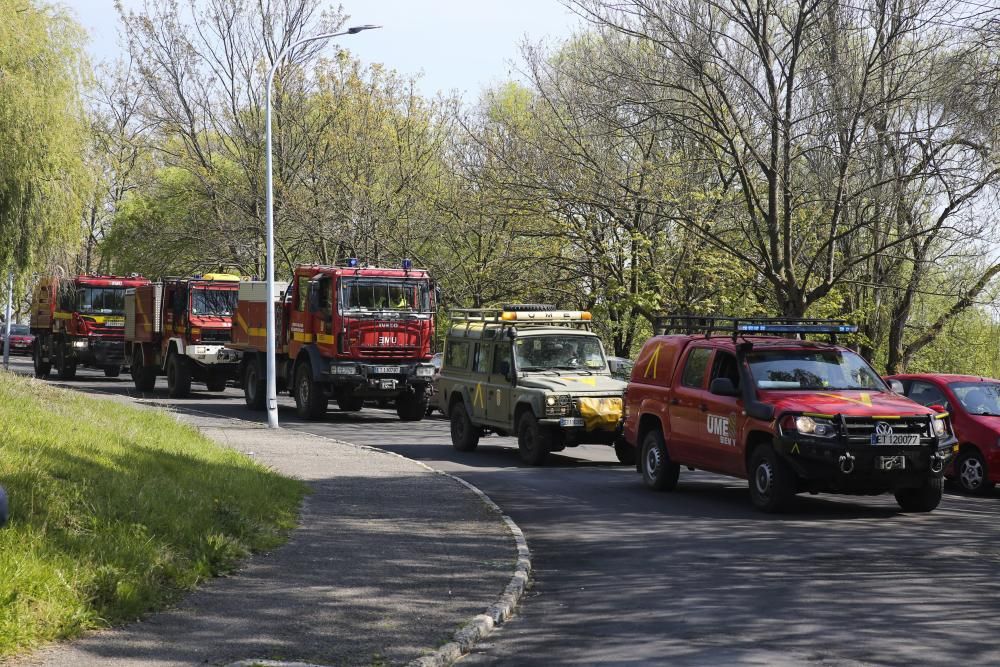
(851, 403)
(573, 383)
(986, 421)
(22, 338)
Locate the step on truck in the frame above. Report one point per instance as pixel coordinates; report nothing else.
(741, 398)
(80, 322)
(179, 327)
(347, 333)
(530, 371)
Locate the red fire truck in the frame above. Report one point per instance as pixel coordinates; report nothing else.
(79, 321)
(179, 328)
(349, 333)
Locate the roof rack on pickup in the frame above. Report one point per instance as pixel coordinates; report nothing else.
(514, 315)
(750, 326)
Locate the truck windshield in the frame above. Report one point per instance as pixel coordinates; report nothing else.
(207, 301)
(373, 294)
(569, 352)
(978, 398)
(102, 300)
(812, 369)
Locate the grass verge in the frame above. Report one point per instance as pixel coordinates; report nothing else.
(115, 511)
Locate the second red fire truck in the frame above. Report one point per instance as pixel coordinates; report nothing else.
(180, 328)
(347, 333)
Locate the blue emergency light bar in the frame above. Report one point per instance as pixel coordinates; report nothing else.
(352, 262)
(796, 328)
(744, 326)
(407, 264)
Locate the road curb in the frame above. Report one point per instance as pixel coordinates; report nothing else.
(481, 625)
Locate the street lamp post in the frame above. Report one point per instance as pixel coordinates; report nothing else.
(7, 316)
(272, 383)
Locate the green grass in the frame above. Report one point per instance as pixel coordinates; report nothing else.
(115, 511)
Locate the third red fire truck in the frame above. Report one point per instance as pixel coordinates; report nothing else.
(349, 333)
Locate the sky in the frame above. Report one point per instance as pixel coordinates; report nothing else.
(456, 45)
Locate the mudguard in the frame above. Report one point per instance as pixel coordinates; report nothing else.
(316, 361)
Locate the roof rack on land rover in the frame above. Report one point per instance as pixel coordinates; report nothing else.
(750, 326)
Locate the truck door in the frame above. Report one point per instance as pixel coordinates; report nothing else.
(498, 395)
(297, 324)
(321, 307)
(722, 426)
(687, 407)
(480, 379)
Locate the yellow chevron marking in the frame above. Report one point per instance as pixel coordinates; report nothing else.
(591, 381)
(866, 398)
(795, 448)
(478, 398)
(651, 364)
(251, 331)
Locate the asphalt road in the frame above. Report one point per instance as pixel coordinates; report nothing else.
(696, 577)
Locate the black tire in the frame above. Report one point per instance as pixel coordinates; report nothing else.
(42, 369)
(254, 389)
(625, 453)
(971, 472)
(464, 434)
(659, 473)
(310, 399)
(411, 407)
(144, 377)
(178, 376)
(65, 369)
(924, 498)
(112, 371)
(532, 440)
(772, 482)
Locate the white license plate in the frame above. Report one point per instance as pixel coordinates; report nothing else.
(891, 462)
(387, 370)
(387, 384)
(570, 421)
(899, 440)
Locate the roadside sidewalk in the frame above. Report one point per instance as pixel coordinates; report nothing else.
(390, 559)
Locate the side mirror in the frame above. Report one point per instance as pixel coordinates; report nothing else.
(723, 387)
(937, 407)
(511, 333)
(897, 387)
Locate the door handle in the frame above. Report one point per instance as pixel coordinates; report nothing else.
(703, 407)
(674, 401)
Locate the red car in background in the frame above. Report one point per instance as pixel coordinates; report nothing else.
(974, 405)
(20, 338)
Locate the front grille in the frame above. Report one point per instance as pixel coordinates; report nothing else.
(860, 429)
(216, 335)
(376, 352)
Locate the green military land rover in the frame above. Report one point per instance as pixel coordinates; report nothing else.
(530, 371)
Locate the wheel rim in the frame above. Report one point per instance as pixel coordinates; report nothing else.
(653, 462)
(304, 389)
(972, 473)
(763, 478)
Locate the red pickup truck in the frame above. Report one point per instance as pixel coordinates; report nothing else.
(787, 414)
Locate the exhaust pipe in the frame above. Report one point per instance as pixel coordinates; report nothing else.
(847, 464)
(937, 463)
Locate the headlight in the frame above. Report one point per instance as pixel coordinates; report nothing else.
(940, 428)
(550, 400)
(809, 426)
(425, 371)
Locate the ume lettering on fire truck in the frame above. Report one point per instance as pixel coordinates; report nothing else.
(180, 328)
(349, 333)
(79, 322)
